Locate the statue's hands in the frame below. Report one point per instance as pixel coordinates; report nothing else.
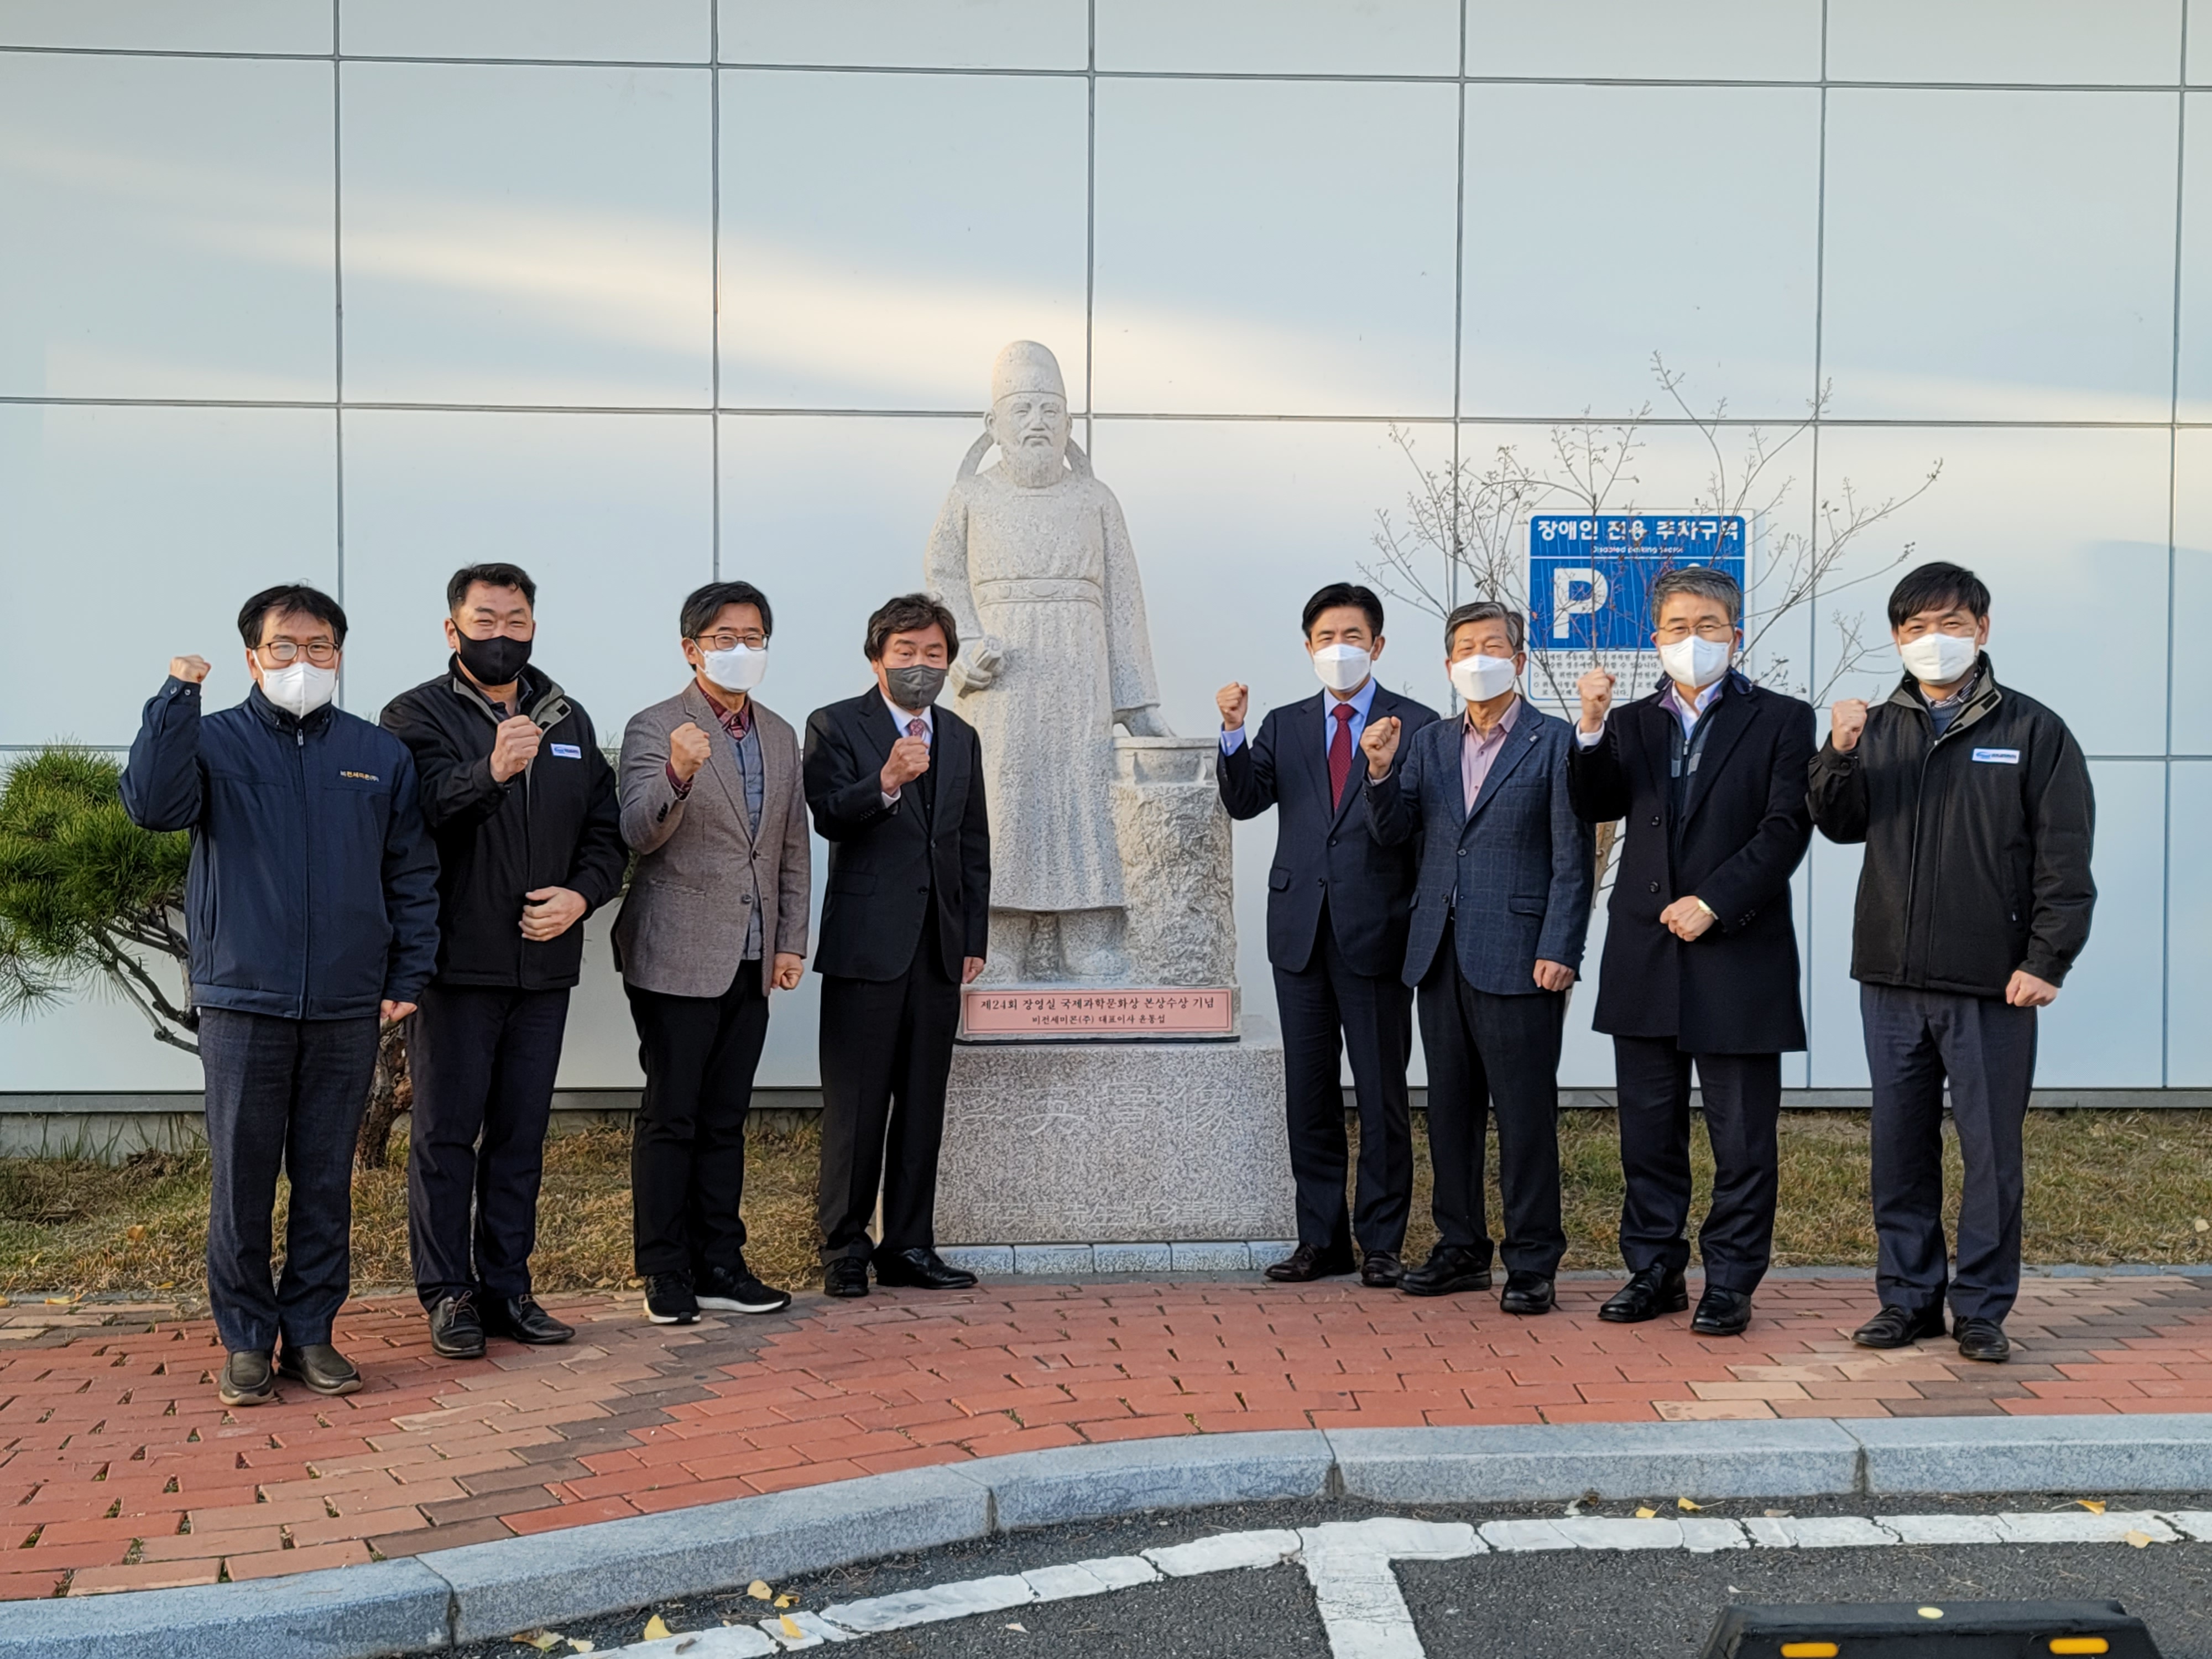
(1143, 722)
(981, 661)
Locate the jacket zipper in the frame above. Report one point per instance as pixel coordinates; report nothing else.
(307, 868)
(1959, 722)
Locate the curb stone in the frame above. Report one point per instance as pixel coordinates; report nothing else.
(443, 1596)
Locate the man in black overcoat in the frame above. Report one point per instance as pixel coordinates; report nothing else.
(1709, 775)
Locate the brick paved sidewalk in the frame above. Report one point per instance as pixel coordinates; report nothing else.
(118, 1469)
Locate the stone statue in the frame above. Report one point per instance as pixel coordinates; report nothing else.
(1033, 557)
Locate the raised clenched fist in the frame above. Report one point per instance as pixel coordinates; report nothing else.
(1848, 720)
(513, 746)
(1233, 700)
(1595, 689)
(190, 670)
(909, 759)
(1379, 744)
(688, 749)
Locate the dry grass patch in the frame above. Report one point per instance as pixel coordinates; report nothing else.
(2103, 1187)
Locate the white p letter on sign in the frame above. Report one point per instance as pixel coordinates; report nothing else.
(1566, 606)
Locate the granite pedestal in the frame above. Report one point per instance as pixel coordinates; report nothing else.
(1065, 1157)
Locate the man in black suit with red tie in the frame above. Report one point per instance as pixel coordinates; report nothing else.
(896, 785)
(1336, 935)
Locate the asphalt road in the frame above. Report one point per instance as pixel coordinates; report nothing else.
(1636, 1605)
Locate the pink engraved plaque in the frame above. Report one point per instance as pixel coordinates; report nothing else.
(1014, 1013)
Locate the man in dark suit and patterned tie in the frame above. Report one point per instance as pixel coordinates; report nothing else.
(1501, 906)
(896, 785)
(1336, 936)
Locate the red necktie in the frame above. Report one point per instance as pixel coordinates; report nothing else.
(1340, 753)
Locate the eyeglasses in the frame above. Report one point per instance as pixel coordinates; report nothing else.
(727, 640)
(1707, 630)
(321, 653)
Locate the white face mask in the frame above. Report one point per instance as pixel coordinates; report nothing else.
(1479, 680)
(738, 669)
(1939, 659)
(299, 688)
(1695, 661)
(1342, 668)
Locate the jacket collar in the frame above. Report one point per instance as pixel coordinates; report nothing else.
(282, 720)
(533, 687)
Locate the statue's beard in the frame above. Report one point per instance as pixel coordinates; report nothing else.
(1033, 466)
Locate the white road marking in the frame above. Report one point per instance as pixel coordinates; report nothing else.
(1348, 1564)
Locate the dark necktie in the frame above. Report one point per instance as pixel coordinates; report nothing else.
(918, 727)
(1340, 753)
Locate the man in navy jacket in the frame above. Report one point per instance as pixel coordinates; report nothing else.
(312, 911)
(1501, 907)
(1337, 900)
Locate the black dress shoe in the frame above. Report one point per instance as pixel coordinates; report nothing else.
(1307, 1263)
(1381, 1270)
(1650, 1292)
(1899, 1327)
(246, 1378)
(320, 1366)
(519, 1319)
(1721, 1313)
(1448, 1271)
(1983, 1340)
(845, 1275)
(457, 1329)
(920, 1269)
(734, 1290)
(1527, 1293)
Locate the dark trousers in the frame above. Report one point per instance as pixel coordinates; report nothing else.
(1489, 1054)
(281, 1094)
(1742, 1102)
(687, 1158)
(1325, 1008)
(483, 1061)
(886, 1051)
(1914, 1041)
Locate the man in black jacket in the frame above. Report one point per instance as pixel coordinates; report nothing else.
(311, 910)
(1337, 900)
(896, 787)
(521, 803)
(1974, 805)
(1707, 776)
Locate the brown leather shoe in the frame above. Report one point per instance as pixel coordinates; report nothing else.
(1307, 1263)
(1381, 1270)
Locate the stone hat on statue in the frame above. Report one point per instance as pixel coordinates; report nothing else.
(1025, 366)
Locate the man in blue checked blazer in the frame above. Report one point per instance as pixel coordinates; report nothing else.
(1501, 904)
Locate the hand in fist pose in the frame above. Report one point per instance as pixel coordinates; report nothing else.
(908, 760)
(687, 748)
(1233, 700)
(1595, 689)
(513, 746)
(1849, 720)
(190, 670)
(1380, 742)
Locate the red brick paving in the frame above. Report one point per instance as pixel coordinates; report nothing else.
(118, 1469)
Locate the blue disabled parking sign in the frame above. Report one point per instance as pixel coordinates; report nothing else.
(1590, 575)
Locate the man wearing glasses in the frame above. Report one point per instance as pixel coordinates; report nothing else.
(311, 910)
(715, 921)
(521, 803)
(1707, 776)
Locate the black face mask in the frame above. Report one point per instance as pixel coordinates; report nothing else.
(494, 661)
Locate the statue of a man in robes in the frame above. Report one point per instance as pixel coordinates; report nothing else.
(1033, 557)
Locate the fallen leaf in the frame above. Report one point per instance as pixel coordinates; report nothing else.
(2094, 1505)
(759, 1591)
(166, 1285)
(1777, 1515)
(1685, 1503)
(2201, 1225)
(581, 1645)
(791, 1625)
(687, 1644)
(1646, 1513)
(1024, 1629)
(544, 1640)
(787, 1600)
(2140, 1541)
(135, 1232)
(655, 1629)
